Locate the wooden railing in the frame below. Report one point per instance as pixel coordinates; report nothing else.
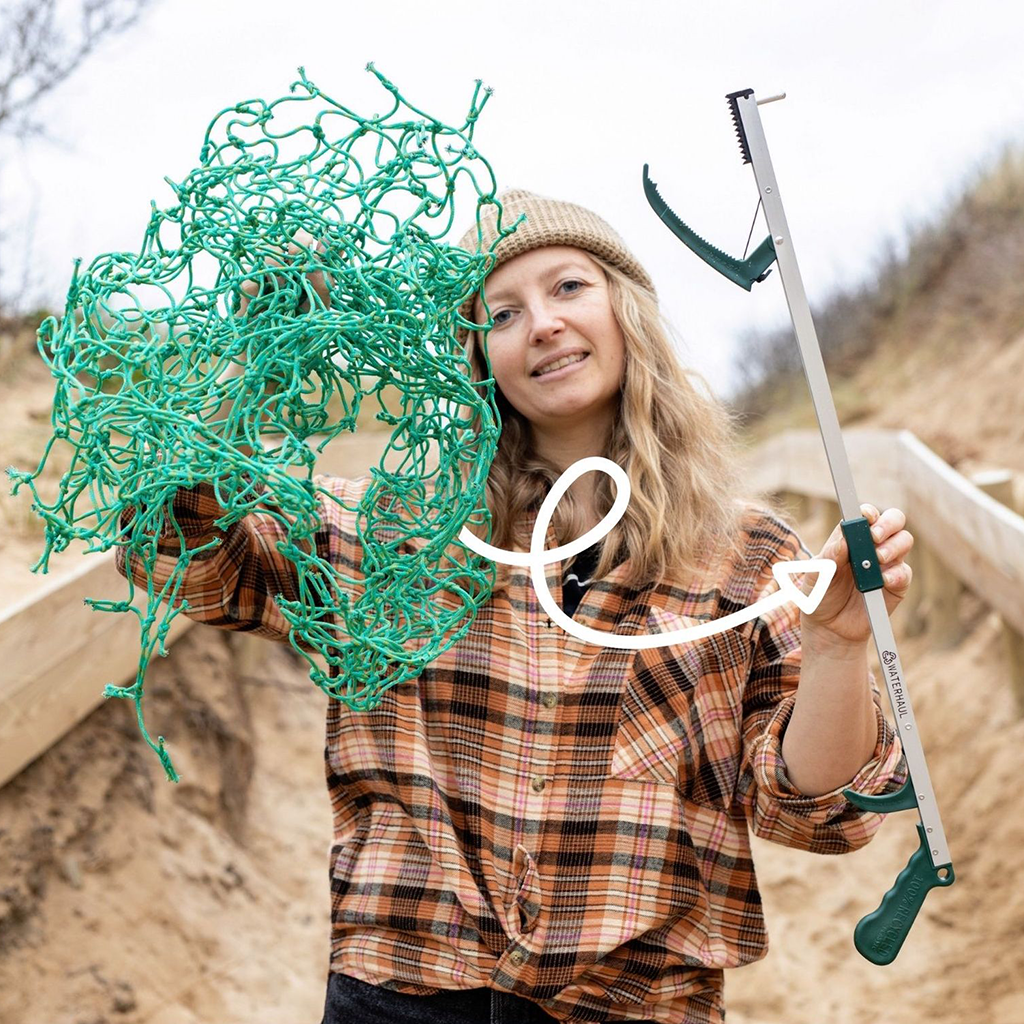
(56, 654)
(968, 533)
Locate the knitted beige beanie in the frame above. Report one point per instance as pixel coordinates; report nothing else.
(548, 222)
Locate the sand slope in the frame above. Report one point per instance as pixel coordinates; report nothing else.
(124, 898)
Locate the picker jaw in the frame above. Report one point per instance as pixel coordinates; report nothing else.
(745, 273)
(879, 936)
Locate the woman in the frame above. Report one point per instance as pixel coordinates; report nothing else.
(539, 828)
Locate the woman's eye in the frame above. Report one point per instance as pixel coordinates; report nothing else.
(579, 284)
(499, 315)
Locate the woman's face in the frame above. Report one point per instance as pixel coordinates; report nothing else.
(550, 305)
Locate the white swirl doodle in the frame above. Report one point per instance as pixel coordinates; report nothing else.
(537, 558)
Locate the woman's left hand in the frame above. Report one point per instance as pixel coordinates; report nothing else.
(841, 618)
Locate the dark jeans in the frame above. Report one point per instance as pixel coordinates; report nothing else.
(352, 1001)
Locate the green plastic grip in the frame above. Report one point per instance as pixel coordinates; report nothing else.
(903, 799)
(879, 936)
(867, 574)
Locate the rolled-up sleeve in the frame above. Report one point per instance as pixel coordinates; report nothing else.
(235, 584)
(775, 808)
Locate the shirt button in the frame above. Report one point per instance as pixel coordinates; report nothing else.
(538, 783)
(516, 957)
(549, 700)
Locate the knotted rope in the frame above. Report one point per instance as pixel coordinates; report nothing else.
(153, 345)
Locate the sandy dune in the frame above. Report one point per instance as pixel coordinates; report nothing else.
(126, 899)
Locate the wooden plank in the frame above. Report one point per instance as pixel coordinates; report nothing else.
(27, 627)
(37, 709)
(999, 484)
(765, 468)
(795, 461)
(976, 537)
(58, 653)
(806, 465)
(938, 592)
(996, 483)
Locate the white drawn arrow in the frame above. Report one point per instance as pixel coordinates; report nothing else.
(537, 558)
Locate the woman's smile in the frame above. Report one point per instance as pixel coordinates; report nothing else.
(574, 363)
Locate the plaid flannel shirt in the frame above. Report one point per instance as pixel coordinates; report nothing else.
(543, 816)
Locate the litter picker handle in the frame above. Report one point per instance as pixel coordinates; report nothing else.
(880, 935)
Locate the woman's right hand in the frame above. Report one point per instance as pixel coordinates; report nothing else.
(302, 242)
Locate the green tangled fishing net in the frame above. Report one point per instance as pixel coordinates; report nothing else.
(153, 345)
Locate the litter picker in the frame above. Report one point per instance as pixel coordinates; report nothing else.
(880, 935)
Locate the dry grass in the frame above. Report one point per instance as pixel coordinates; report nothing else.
(958, 281)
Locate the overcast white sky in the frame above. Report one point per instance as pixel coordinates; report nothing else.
(890, 107)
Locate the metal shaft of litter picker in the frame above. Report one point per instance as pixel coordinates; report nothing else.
(839, 466)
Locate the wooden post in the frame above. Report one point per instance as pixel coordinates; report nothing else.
(804, 506)
(940, 602)
(913, 611)
(823, 515)
(791, 503)
(999, 484)
(1014, 644)
(828, 511)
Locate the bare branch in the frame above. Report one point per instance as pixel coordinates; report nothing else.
(42, 42)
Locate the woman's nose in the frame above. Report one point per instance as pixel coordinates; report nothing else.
(545, 321)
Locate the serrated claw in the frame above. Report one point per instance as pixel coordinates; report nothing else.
(742, 272)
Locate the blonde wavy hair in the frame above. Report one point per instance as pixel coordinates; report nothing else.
(675, 440)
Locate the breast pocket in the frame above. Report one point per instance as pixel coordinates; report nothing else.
(681, 715)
